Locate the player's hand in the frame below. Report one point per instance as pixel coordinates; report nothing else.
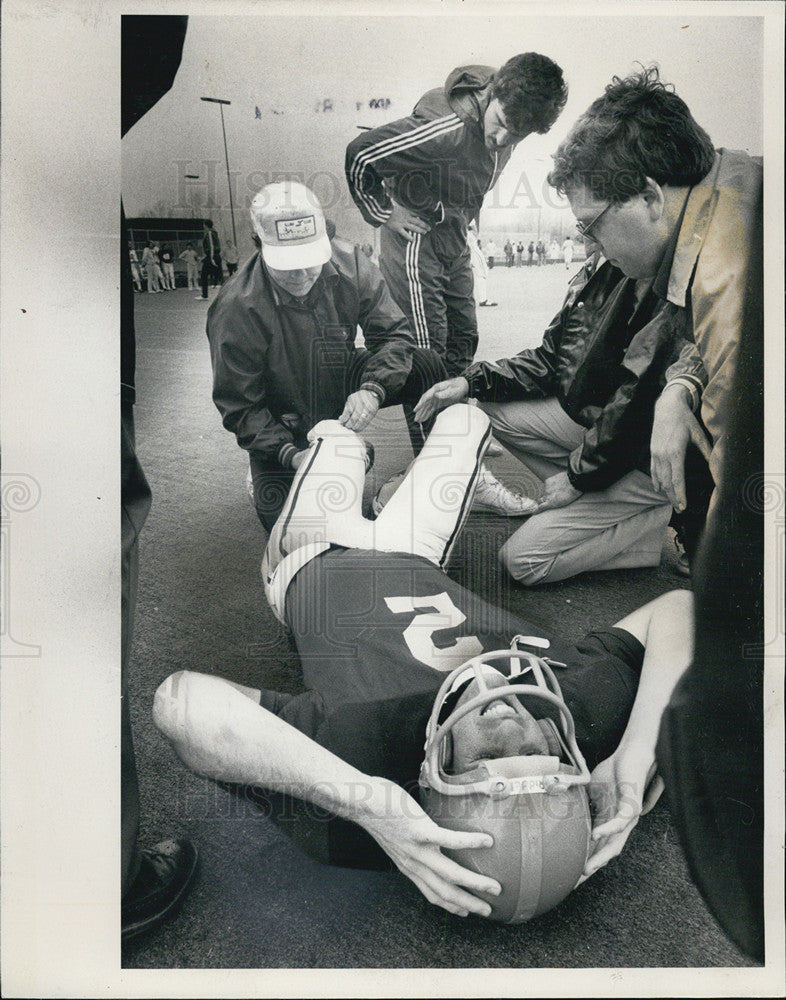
(359, 410)
(440, 395)
(623, 787)
(414, 842)
(298, 457)
(559, 492)
(406, 223)
(674, 428)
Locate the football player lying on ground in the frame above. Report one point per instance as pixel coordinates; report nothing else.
(379, 626)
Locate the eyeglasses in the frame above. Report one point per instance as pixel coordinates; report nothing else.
(584, 228)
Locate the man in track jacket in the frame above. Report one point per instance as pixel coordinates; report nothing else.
(423, 179)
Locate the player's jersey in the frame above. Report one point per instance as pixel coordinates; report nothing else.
(376, 633)
(371, 626)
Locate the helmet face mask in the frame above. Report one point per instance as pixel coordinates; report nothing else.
(535, 807)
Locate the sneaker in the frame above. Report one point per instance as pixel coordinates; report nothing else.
(486, 302)
(386, 491)
(369, 457)
(493, 497)
(165, 875)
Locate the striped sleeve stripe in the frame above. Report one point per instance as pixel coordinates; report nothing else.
(416, 292)
(382, 149)
(422, 134)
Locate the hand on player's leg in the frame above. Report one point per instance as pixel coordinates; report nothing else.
(454, 390)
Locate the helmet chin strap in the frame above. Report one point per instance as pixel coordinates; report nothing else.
(553, 739)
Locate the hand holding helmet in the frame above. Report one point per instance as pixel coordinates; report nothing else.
(415, 843)
(533, 802)
(623, 788)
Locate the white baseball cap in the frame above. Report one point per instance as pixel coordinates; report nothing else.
(290, 223)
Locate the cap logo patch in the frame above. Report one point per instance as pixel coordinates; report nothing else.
(296, 229)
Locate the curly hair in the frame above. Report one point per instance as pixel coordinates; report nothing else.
(639, 128)
(531, 92)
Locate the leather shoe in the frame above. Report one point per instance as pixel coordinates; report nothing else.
(165, 874)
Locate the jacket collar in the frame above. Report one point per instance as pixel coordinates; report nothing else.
(679, 261)
(468, 91)
(281, 297)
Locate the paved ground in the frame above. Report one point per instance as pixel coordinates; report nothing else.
(258, 902)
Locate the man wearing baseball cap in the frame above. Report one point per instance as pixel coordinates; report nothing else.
(282, 340)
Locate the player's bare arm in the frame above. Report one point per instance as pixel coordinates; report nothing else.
(219, 732)
(625, 786)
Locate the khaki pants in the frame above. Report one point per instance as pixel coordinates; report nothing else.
(617, 528)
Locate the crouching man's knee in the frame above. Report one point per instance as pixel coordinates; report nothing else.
(526, 569)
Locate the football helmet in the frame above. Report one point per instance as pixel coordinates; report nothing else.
(535, 807)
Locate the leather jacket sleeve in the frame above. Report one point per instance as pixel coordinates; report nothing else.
(618, 439)
(531, 374)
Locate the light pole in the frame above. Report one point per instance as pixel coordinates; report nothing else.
(192, 177)
(221, 103)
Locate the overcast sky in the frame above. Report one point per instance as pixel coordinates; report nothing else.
(300, 86)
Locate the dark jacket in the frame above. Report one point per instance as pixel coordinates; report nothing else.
(279, 365)
(215, 256)
(605, 363)
(435, 161)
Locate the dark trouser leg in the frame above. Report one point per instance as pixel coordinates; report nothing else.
(205, 276)
(135, 503)
(271, 487)
(415, 278)
(427, 368)
(433, 286)
(462, 324)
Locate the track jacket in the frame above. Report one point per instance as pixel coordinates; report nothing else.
(604, 357)
(279, 364)
(435, 162)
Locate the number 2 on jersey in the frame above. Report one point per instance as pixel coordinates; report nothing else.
(418, 634)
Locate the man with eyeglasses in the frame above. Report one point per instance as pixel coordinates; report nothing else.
(664, 205)
(647, 186)
(577, 411)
